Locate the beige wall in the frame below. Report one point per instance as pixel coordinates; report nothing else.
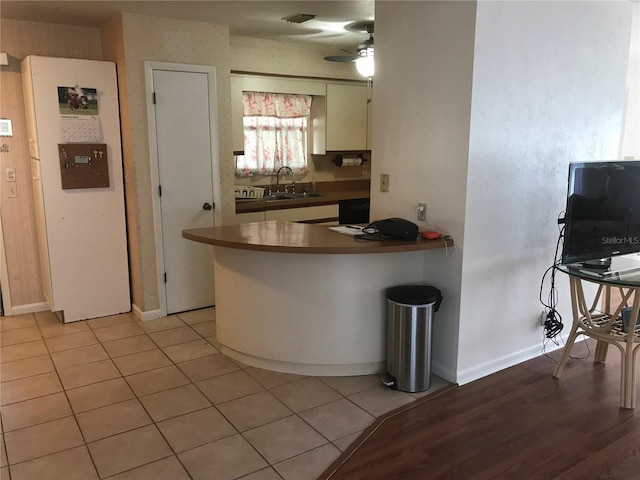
(19, 39)
(113, 50)
(141, 38)
(288, 58)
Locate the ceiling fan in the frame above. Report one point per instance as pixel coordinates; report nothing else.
(364, 53)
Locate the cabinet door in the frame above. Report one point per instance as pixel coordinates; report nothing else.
(346, 117)
(250, 217)
(302, 214)
(237, 130)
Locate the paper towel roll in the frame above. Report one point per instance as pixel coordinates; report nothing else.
(349, 161)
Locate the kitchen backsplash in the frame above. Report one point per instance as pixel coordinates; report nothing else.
(321, 169)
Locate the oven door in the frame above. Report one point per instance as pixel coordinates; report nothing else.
(353, 211)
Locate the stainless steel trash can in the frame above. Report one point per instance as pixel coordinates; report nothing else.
(409, 322)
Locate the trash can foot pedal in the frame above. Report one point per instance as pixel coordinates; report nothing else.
(389, 381)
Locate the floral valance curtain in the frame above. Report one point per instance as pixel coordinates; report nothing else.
(275, 133)
(261, 104)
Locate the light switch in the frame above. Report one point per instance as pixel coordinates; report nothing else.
(13, 191)
(11, 174)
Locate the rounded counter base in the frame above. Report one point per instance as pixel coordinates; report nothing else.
(308, 314)
(304, 368)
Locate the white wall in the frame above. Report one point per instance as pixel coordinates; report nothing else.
(548, 83)
(421, 107)
(631, 137)
(548, 88)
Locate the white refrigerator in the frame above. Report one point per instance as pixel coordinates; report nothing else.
(73, 128)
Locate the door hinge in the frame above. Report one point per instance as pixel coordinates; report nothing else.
(154, 98)
(165, 277)
(160, 190)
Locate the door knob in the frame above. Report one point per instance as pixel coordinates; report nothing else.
(207, 206)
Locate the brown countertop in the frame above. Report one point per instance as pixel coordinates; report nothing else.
(327, 198)
(283, 237)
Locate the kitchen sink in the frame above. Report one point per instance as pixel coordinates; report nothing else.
(277, 196)
(305, 195)
(290, 196)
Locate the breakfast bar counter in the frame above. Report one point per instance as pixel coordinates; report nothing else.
(299, 298)
(287, 237)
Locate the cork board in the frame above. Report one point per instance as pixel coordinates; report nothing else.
(83, 165)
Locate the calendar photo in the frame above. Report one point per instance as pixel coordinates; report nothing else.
(78, 100)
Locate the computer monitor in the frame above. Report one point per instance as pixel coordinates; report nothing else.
(603, 212)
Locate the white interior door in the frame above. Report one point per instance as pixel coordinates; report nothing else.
(184, 150)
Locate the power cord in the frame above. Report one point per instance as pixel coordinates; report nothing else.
(553, 320)
(444, 239)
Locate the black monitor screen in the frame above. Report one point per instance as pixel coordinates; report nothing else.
(603, 211)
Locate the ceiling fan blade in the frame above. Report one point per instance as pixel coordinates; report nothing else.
(342, 58)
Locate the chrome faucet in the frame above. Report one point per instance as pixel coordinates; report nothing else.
(293, 183)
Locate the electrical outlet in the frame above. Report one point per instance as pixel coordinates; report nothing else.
(13, 191)
(384, 182)
(422, 212)
(543, 318)
(11, 174)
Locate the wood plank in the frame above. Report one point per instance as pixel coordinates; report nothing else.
(520, 423)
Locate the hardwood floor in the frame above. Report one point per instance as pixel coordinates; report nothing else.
(520, 423)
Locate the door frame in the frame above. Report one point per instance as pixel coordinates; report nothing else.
(210, 71)
(4, 276)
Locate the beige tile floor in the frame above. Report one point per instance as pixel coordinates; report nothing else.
(121, 399)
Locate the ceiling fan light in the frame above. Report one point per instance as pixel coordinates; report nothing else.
(365, 64)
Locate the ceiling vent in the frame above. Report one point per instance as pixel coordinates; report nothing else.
(299, 18)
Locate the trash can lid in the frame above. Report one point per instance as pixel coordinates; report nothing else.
(414, 294)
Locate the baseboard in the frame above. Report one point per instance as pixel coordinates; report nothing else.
(320, 370)
(495, 365)
(443, 372)
(148, 315)
(29, 308)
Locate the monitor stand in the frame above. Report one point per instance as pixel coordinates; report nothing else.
(599, 264)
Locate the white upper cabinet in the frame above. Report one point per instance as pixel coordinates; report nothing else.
(340, 111)
(347, 112)
(237, 130)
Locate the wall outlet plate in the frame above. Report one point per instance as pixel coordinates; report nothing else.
(384, 182)
(422, 212)
(11, 174)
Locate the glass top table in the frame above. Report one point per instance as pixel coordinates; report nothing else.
(601, 319)
(624, 271)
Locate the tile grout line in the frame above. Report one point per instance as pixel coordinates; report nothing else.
(174, 452)
(86, 446)
(265, 389)
(173, 363)
(154, 423)
(64, 390)
(237, 432)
